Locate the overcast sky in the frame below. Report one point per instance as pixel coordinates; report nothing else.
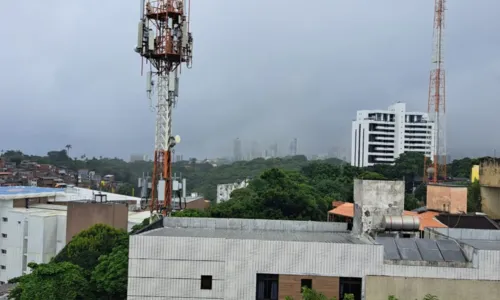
(263, 70)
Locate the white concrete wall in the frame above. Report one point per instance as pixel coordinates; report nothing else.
(61, 233)
(31, 237)
(35, 239)
(373, 199)
(170, 267)
(15, 245)
(224, 190)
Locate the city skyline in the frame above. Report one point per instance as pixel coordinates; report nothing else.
(98, 104)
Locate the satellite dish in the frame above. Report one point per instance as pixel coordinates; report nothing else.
(177, 139)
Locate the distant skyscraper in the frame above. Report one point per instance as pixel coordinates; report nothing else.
(273, 149)
(255, 153)
(237, 152)
(293, 147)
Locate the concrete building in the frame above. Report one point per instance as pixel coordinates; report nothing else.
(489, 180)
(193, 201)
(224, 190)
(380, 136)
(447, 198)
(83, 215)
(34, 227)
(242, 259)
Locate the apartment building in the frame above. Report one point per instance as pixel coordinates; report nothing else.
(380, 136)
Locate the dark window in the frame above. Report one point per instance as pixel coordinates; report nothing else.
(350, 285)
(5, 219)
(2, 267)
(4, 235)
(4, 251)
(267, 287)
(308, 283)
(206, 282)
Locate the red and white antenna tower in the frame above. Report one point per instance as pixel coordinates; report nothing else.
(165, 42)
(436, 170)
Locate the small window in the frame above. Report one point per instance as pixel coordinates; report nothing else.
(206, 282)
(2, 267)
(4, 235)
(308, 283)
(4, 251)
(5, 219)
(2, 282)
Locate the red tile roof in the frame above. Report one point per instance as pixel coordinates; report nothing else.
(427, 219)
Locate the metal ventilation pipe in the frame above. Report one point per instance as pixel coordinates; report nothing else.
(401, 223)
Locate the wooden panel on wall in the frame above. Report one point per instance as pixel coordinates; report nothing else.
(290, 285)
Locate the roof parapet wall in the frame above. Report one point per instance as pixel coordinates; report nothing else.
(254, 224)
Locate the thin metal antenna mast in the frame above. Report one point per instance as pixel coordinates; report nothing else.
(437, 101)
(165, 42)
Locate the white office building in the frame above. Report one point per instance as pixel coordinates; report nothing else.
(380, 136)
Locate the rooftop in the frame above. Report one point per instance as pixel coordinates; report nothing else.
(249, 229)
(253, 234)
(427, 218)
(20, 192)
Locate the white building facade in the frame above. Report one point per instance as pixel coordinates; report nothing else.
(36, 233)
(224, 190)
(380, 136)
(241, 259)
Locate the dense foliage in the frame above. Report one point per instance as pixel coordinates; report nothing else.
(93, 265)
(203, 177)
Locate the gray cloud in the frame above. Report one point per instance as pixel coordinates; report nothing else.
(263, 70)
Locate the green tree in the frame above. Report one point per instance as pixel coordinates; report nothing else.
(51, 282)
(311, 294)
(111, 274)
(474, 197)
(86, 247)
(367, 175)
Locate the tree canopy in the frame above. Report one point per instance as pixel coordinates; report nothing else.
(52, 281)
(93, 265)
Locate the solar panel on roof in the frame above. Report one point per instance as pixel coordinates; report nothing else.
(448, 245)
(456, 256)
(410, 254)
(431, 255)
(390, 248)
(406, 243)
(427, 244)
(429, 250)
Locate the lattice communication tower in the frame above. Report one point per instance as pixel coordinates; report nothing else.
(436, 170)
(164, 43)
